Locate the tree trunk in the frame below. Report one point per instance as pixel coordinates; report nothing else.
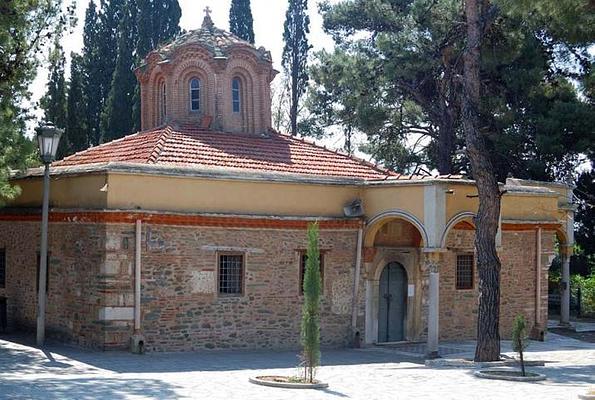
(446, 144)
(294, 95)
(488, 263)
(522, 362)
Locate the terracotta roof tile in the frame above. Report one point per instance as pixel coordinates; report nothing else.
(192, 147)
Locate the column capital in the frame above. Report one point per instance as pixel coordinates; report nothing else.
(566, 250)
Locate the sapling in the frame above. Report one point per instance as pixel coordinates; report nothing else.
(520, 339)
(311, 308)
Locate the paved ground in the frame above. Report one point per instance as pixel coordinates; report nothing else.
(59, 372)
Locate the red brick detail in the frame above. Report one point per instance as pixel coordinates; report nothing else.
(180, 219)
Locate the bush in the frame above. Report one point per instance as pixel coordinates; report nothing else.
(587, 286)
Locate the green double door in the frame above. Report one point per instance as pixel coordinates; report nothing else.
(392, 305)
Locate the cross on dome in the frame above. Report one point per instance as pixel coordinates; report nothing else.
(207, 22)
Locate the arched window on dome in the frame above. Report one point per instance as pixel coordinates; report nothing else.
(163, 99)
(235, 95)
(194, 94)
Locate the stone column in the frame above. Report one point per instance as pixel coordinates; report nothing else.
(432, 260)
(565, 253)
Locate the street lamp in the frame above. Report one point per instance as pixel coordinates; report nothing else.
(48, 138)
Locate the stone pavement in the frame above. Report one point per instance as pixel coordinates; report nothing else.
(396, 372)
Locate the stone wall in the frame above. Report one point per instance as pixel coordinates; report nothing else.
(74, 294)
(181, 309)
(458, 308)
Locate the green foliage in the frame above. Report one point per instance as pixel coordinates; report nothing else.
(93, 74)
(76, 111)
(26, 28)
(53, 102)
(585, 215)
(393, 53)
(520, 339)
(295, 54)
(240, 20)
(116, 119)
(310, 334)
(587, 289)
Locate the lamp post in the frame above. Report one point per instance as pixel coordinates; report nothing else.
(48, 137)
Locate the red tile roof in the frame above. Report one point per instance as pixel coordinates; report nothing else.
(193, 147)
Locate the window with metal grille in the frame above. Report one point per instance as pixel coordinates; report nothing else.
(303, 260)
(231, 274)
(47, 275)
(464, 278)
(2, 268)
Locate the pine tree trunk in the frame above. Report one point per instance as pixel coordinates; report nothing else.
(294, 97)
(446, 145)
(488, 263)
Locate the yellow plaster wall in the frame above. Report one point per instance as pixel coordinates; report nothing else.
(237, 197)
(65, 192)
(529, 208)
(378, 199)
(458, 201)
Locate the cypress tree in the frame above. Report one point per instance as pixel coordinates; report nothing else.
(310, 334)
(76, 111)
(92, 74)
(240, 20)
(108, 40)
(295, 54)
(116, 118)
(158, 21)
(53, 102)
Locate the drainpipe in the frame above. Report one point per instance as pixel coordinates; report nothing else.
(356, 278)
(137, 341)
(538, 281)
(137, 277)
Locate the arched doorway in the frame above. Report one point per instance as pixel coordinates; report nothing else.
(392, 303)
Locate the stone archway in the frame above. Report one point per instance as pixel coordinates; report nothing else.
(394, 240)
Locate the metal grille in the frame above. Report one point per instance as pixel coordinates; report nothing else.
(231, 273)
(303, 260)
(2, 268)
(465, 271)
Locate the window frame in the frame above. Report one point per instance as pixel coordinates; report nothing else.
(302, 269)
(236, 95)
(242, 275)
(191, 91)
(2, 268)
(458, 281)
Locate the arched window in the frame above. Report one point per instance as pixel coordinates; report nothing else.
(194, 94)
(235, 95)
(163, 108)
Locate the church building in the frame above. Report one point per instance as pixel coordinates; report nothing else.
(191, 234)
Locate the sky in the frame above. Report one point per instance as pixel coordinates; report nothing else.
(268, 16)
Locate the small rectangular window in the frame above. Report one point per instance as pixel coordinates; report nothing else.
(2, 268)
(464, 276)
(231, 274)
(47, 276)
(303, 260)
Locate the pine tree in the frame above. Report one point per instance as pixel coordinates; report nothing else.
(92, 74)
(295, 54)
(310, 334)
(116, 118)
(76, 112)
(53, 102)
(240, 20)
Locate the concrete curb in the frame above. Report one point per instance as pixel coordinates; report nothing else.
(287, 385)
(485, 373)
